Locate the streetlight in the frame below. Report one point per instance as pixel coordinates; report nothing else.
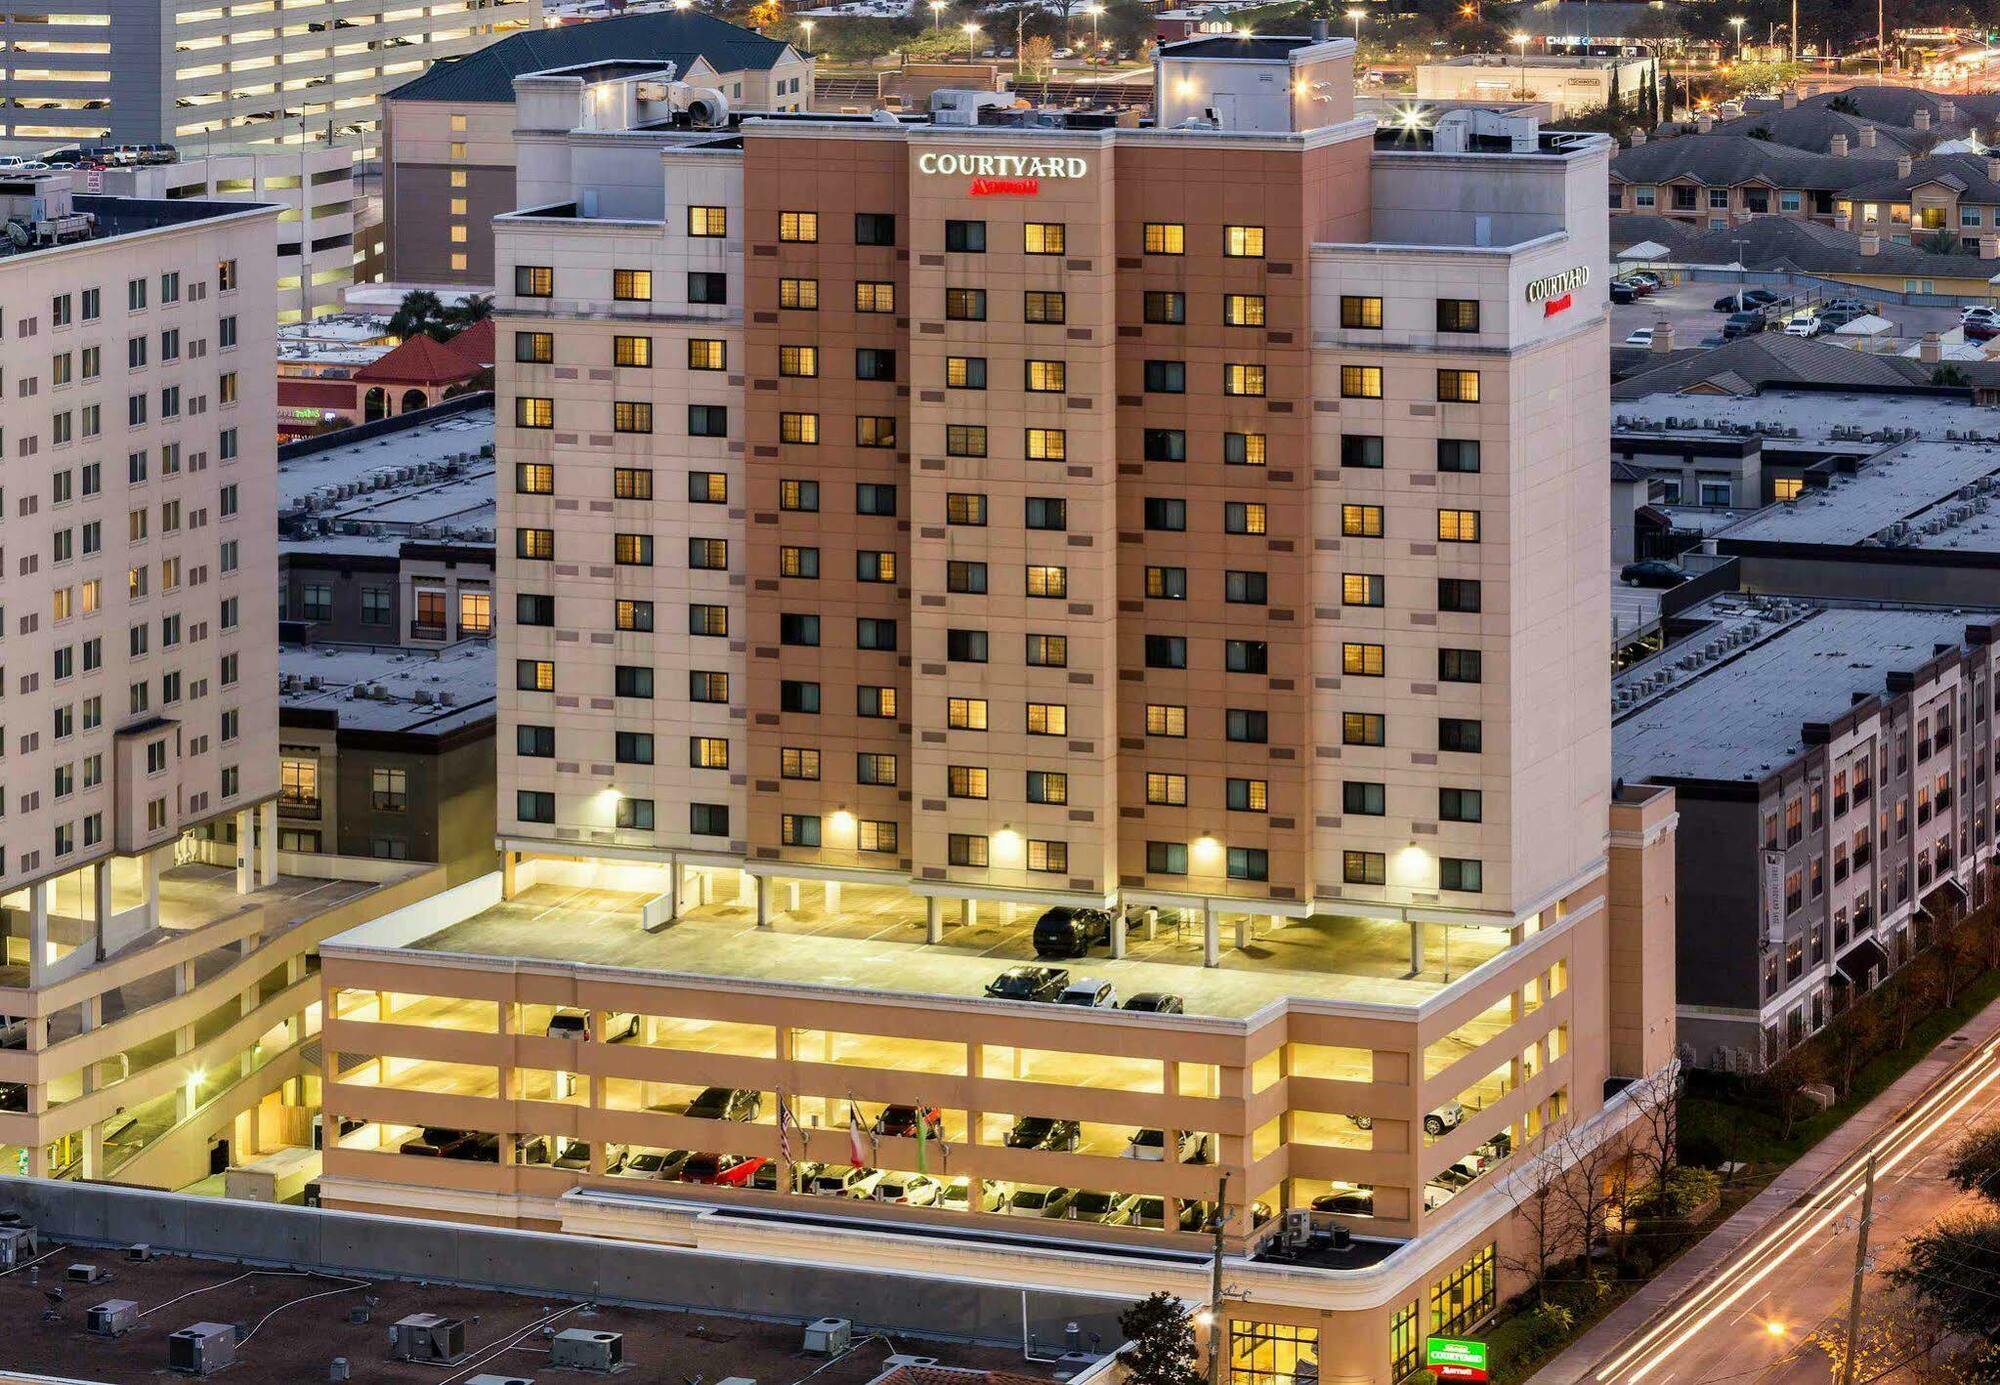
(1357, 16)
(1096, 12)
(937, 13)
(1520, 42)
(970, 30)
(1737, 25)
(807, 25)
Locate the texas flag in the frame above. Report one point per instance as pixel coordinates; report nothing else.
(857, 1155)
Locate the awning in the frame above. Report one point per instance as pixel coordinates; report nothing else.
(1954, 894)
(1858, 961)
(1644, 250)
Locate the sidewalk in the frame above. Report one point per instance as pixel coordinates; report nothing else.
(1713, 1251)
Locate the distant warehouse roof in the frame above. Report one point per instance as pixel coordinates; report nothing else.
(675, 36)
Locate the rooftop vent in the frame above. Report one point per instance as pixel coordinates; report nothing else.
(582, 1349)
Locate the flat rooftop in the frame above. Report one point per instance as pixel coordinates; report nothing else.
(1738, 716)
(421, 691)
(1832, 416)
(294, 1336)
(874, 942)
(1921, 494)
(434, 480)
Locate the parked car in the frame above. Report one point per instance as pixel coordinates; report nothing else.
(770, 1174)
(831, 1180)
(656, 1163)
(1832, 319)
(1981, 329)
(722, 1170)
(1805, 325)
(902, 1121)
(1741, 299)
(1028, 983)
(1040, 1132)
(1346, 1202)
(994, 1195)
(1096, 995)
(575, 1024)
(1152, 1144)
(1150, 1212)
(574, 1155)
(1156, 1003)
(1065, 932)
(1641, 336)
(1040, 1202)
(861, 1183)
(1844, 305)
(725, 1104)
(1449, 1116)
(909, 1189)
(1624, 291)
(1094, 1206)
(1980, 311)
(437, 1142)
(480, 1149)
(1460, 1172)
(1744, 324)
(1652, 572)
(1645, 280)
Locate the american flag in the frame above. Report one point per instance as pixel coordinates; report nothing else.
(787, 1123)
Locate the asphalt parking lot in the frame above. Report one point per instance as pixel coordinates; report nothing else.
(1690, 307)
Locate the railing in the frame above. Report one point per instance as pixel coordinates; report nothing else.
(427, 630)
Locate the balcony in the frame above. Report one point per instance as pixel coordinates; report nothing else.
(298, 805)
(428, 630)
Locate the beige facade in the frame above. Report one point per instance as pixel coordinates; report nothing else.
(1567, 86)
(314, 186)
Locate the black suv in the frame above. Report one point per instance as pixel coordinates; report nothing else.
(1029, 983)
(1040, 1132)
(725, 1104)
(1065, 932)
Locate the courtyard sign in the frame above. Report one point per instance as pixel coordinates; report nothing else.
(1004, 165)
(1553, 291)
(1448, 1359)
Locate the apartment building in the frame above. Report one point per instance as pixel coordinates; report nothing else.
(313, 186)
(155, 986)
(1831, 766)
(166, 73)
(449, 134)
(908, 526)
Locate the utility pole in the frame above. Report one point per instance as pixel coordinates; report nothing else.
(1215, 1282)
(1860, 1272)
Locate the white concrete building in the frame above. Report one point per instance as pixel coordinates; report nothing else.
(1567, 86)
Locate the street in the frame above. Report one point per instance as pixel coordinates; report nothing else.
(1750, 1318)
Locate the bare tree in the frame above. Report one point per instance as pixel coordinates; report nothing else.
(1657, 1099)
(1896, 1337)
(1546, 1216)
(1594, 1187)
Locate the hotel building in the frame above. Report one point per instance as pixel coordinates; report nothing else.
(909, 525)
(154, 992)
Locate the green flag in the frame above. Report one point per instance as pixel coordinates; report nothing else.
(923, 1141)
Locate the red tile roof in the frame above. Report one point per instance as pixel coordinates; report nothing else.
(418, 361)
(315, 394)
(475, 343)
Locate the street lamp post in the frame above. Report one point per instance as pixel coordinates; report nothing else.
(1095, 12)
(807, 25)
(971, 29)
(1520, 42)
(1737, 25)
(937, 14)
(1357, 16)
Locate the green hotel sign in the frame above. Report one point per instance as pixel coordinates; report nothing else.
(1449, 1359)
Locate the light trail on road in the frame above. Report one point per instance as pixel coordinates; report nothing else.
(1800, 1228)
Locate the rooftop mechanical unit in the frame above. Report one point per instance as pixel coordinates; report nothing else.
(112, 1318)
(582, 1349)
(427, 1337)
(202, 1349)
(17, 1246)
(86, 1274)
(829, 1336)
(488, 1378)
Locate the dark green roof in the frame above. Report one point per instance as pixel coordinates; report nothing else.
(669, 36)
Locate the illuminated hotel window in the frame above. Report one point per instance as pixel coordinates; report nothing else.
(964, 850)
(636, 352)
(1360, 314)
(632, 285)
(1165, 720)
(965, 372)
(1039, 305)
(1165, 238)
(1169, 790)
(1047, 444)
(1458, 526)
(538, 545)
(1243, 379)
(1361, 521)
(798, 226)
(708, 222)
(1243, 310)
(798, 428)
(1048, 856)
(1361, 382)
(798, 361)
(798, 293)
(1046, 377)
(1044, 237)
(1458, 386)
(636, 483)
(871, 297)
(1243, 242)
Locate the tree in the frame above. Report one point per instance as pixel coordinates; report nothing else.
(1788, 1079)
(1853, 1039)
(474, 307)
(765, 13)
(420, 311)
(1915, 990)
(1959, 946)
(1657, 1099)
(1895, 1339)
(1038, 57)
(1161, 1336)
(1975, 1161)
(1950, 1268)
(1548, 1236)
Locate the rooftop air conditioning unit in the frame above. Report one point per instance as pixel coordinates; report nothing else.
(202, 1349)
(828, 1336)
(112, 1318)
(17, 1245)
(86, 1274)
(427, 1337)
(488, 1378)
(582, 1349)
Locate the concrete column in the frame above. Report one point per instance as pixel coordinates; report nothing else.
(40, 955)
(90, 1015)
(149, 884)
(268, 849)
(793, 887)
(704, 886)
(1152, 924)
(1211, 937)
(509, 886)
(243, 845)
(763, 887)
(1118, 931)
(100, 906)
(1244, 931)
(933, 919)
(746, 888)
(968, 911)
(1277, 922)
(1416, 947)
(677, 878)
(833, 896)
